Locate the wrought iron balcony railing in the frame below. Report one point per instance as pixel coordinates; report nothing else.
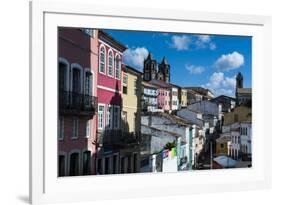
(76, 103)
(117, 137)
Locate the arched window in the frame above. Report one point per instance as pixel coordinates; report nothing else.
(102, 60)
(86, 163)
(77, 78)
(110, 63)
(117, 67)
(63, 75)
(88, 83)
(74, 164)
(61, 167)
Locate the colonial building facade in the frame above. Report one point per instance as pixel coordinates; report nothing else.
(77, 66)
(110, 53)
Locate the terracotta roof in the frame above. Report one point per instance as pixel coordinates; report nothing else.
(145, 83)
(200, 90)
(160, 83)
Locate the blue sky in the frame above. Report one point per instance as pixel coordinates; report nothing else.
(210, 61)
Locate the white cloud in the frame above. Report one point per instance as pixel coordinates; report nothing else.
(229, 61)
(219, 84)
(135, 57)
(180, 42)
(204, 38)
(193, 69)
(185, 42)
(204, 41)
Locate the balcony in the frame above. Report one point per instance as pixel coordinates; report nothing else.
(76, 103)
(117, 138)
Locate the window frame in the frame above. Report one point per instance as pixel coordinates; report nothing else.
(117, 56)
(110, 51)
(103, 118)
(88, 133)
(61, 128)
(125, 84)
(108, 120)
(75, 128)
(100, 62)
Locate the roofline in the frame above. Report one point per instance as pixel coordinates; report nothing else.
(113, 40)
(131, 68)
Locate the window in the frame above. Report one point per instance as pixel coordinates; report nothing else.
(88, 83)
(116, 117)
(86, 163)
(106, 166)
(117, 67)
(75, 128)
(115, 165)
(135, 87)
(88, 128)
(109, 117)
(102, 60)
(74, 164)
(129, 167)
(61, 165)
(110, 63)
(61, 128)
(76, 80)
(125, 84)
(101, 117)
(135, 163)
(222, 146)
(122, 165)
(62, 77)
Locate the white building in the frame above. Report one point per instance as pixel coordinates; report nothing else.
(241, 139)
(246, 139)
(157, 129)
(174, 98)
(235, 143)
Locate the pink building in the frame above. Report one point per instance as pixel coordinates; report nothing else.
(110, 54)
(77, 70)
(163, 98)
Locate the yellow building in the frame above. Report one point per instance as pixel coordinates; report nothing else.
(183, 97)
(239, 114)
(223, 144)
(131, 94)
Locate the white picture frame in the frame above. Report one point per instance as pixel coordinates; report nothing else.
(46, 187)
